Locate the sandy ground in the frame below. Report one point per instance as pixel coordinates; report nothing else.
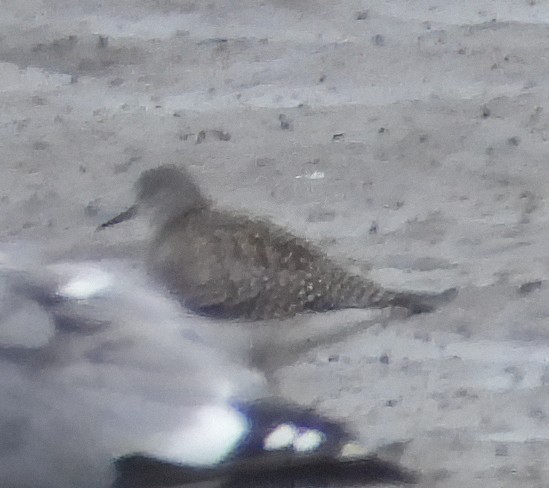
(406, 136)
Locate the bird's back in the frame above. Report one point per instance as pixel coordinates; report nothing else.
(232, 266)
(229, 266)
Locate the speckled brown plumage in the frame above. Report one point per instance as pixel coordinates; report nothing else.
(231, 266)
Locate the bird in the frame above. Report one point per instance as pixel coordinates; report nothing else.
(226, 265)
(108, 382)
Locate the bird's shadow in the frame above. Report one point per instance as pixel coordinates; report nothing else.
(289, 342)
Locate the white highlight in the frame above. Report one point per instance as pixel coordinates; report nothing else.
(280, 438)
(315, 175)
(308, 441)
(352, 450)
(88, 283)
(288, 435)
(214, 433)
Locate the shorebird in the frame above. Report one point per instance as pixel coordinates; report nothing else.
(231, 266)
(107, 381)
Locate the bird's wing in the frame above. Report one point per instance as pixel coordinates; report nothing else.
(216, 261)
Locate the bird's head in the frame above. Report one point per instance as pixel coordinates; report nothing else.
(165, 192)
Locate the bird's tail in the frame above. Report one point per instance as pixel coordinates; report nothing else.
(358, 292)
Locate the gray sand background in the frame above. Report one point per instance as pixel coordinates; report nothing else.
(409, 137)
